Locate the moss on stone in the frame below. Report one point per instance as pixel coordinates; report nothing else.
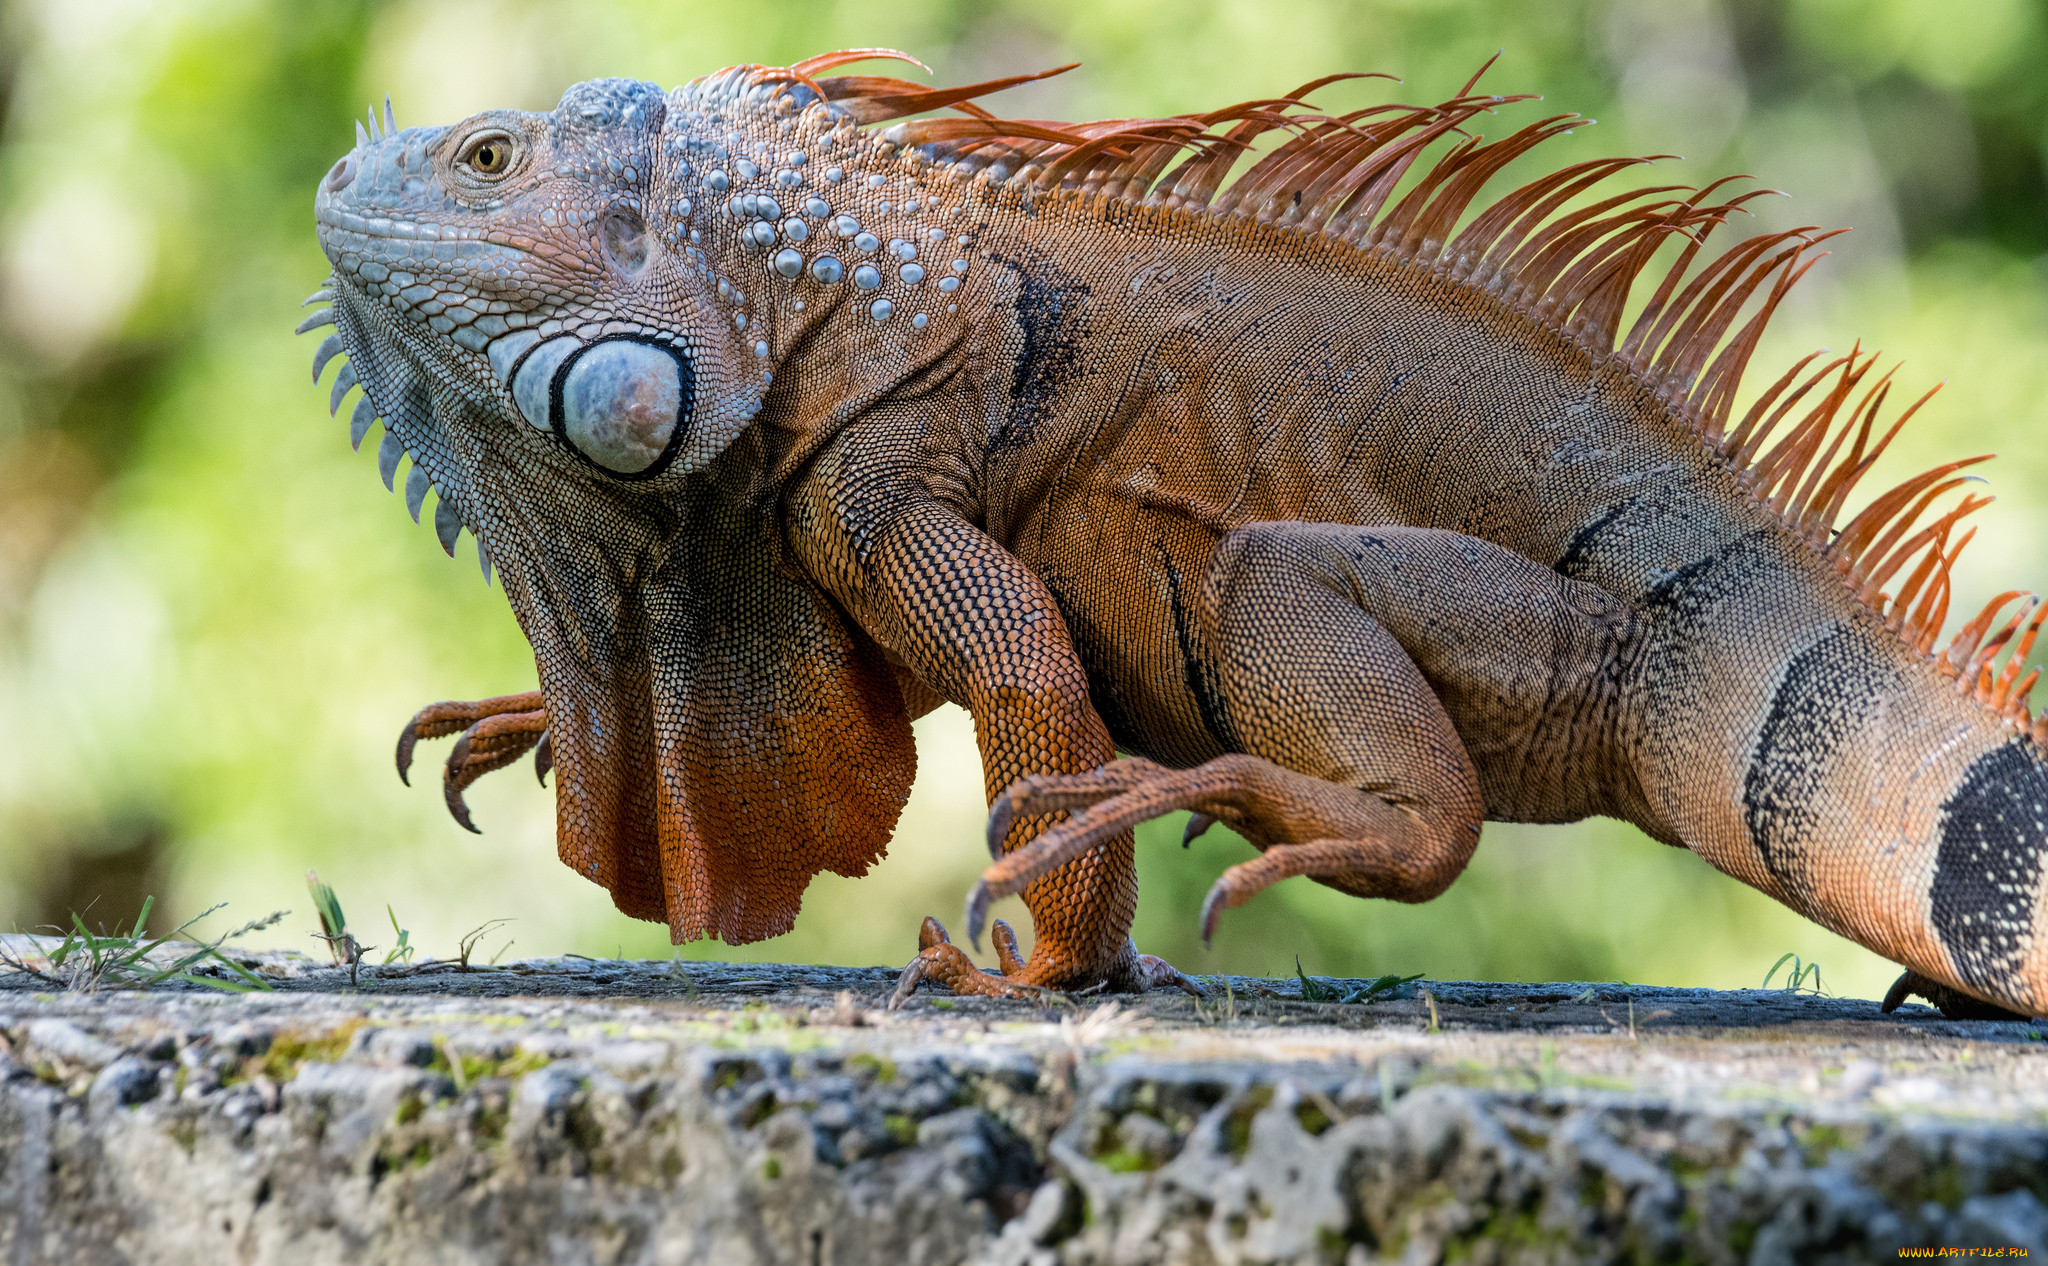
(292, 1049)
(1237, 1128)
(883, 1071)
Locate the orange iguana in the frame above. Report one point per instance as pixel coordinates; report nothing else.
(1346, 498)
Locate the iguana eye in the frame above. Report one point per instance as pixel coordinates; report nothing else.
(487, 154)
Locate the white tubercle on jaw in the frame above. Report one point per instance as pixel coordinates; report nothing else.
(532, 384)
(505, 352)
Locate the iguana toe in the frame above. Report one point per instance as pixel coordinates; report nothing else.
(1160, 974)
(1952, 1003)
(1054, 793)
(493, 733)
(1004, 939)
(940, 961)
(492, 743)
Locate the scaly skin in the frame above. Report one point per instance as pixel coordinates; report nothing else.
(1352, 539)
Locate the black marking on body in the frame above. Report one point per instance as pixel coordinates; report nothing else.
(1690, 593)
(1199, 675)
(1823, 701)
(1049, 307)
(1583, 541)
(1987, 869)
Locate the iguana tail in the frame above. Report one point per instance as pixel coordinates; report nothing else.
(1803, 729)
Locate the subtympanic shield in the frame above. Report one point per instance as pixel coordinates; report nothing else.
(621, 404)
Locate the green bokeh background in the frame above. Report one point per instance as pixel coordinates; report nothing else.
(213, 618)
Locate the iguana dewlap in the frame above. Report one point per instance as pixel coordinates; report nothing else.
(1345, 499)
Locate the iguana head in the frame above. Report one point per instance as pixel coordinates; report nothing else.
(528, 309)
(515, 283)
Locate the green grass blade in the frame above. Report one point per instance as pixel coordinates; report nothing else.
(1774, 969)
(328, 906)
(142, 919)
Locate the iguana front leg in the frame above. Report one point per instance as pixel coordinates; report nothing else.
(978, 626)
(494, 733)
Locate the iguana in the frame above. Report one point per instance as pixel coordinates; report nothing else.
(1357, 507)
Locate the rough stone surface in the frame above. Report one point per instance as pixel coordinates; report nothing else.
(617, 1112)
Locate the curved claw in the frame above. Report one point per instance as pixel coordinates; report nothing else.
(1198, 822)
(1002, 815)
(1212, 909)
(976, 912)
(907, 983)
(408, 738)
(451, 795)
(1952, 1004)
(544, 757)
(1159, 974)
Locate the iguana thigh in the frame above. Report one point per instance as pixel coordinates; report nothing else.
(1324, 635)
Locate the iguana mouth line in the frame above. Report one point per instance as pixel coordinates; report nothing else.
(384, 227)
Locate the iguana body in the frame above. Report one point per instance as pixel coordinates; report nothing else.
(1356, 538)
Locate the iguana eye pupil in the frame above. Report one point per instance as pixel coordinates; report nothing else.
(489, 156)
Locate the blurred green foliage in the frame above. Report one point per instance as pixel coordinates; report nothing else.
(213, 619)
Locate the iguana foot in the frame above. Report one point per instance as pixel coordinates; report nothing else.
(494, 733)
(1352, 839)
(942, 962)
(1952, 1003)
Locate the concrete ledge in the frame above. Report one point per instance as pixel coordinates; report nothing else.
(609, 1112)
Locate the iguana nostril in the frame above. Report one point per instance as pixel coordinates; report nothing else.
(341, 175)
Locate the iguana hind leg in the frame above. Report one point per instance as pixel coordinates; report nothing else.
(1352, 665)
(494, 733)
(1386, 841)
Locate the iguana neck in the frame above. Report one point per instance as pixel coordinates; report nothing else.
(824, 242)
